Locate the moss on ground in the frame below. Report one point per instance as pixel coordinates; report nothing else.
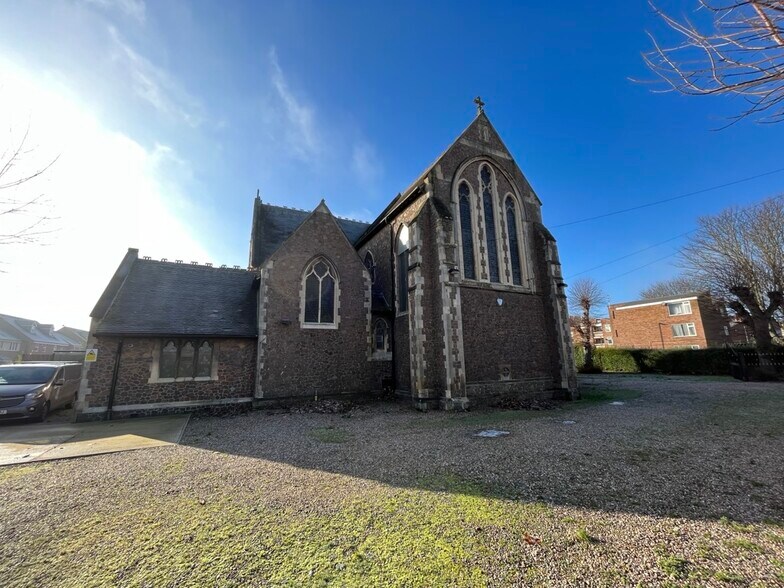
(390, 538)
(329, 434)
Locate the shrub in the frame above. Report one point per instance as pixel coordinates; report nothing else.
(704, 362)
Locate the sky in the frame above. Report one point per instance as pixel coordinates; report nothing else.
(163, 119)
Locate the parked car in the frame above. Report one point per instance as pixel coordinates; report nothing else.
(32, 390)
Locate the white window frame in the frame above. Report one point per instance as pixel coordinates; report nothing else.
(685, 305)
(689, 329)
(310, 268)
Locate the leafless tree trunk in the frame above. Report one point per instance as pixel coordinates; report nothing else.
(739, 255)
(742, 55)
(585, 294)
(22, 220)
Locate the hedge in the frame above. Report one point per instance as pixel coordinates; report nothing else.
(703, 362)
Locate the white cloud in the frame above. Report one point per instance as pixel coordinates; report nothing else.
(135, 9)
(301, 132)
(155, 85)
(106, 192)
(365, 163)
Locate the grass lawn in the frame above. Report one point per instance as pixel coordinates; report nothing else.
(390, 497)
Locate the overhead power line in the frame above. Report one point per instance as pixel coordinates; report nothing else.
(760, 203)
(664, 200)
(617, 259)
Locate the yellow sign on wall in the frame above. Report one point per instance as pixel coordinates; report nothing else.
(91, 355)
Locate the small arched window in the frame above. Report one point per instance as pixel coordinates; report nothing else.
(466, 230)
(168, 363)
(320, 300)
(370, 264)
(380, 336)
(185, 364)
(402, 250)
(514, 240)
(486, 178)
(204, 360)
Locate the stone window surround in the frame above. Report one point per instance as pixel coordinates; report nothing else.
(377, 354)
(372, 269)
(336, 322)
(500, 217)
(156, 362)
(400, 229)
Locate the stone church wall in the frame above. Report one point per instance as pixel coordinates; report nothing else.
(309, 362)
(234, 361)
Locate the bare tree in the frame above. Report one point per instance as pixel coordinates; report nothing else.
(584, 295)
(22, 219)
(743, 55)
(674, 287)
(739, 255)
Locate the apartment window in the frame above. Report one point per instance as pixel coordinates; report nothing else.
(695, 346)
(684, 330)
(609, 340)
(608, 328)
(185, 359)
(678, 308)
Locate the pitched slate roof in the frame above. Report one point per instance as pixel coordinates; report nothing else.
(30, 330)
(162, 298)
(273, 224)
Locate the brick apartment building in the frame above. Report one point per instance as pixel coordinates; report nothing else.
(601, 330)
(693, 320)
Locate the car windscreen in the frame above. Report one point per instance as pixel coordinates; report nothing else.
(24, 374)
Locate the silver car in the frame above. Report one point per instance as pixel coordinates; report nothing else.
(32, 390)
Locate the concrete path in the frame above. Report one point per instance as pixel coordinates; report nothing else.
(25, 443)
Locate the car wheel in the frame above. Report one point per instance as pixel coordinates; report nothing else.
(43, 414)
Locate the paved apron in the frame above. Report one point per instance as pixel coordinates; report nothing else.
(21, 443)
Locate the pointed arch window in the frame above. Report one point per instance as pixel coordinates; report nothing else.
(184, 359)
(168, 362)
(491, 241)
(320, 300)
(402, 250)
(466, 230)
(514, 240)
(380, 336)
(370, 264)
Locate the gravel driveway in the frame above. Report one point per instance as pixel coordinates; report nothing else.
(649, 480)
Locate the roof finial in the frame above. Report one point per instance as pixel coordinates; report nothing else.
(480, 106)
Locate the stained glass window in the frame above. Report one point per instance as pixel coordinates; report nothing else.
(370, 264)
(514, 241)
(204, 360)
(466, 230)
(168, 363)
(380, 335)
(319, 293)
(490, 236)
(185, 363)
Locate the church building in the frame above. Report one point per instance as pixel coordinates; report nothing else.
(453, 297)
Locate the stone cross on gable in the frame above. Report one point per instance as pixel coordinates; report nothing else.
(480, 106)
